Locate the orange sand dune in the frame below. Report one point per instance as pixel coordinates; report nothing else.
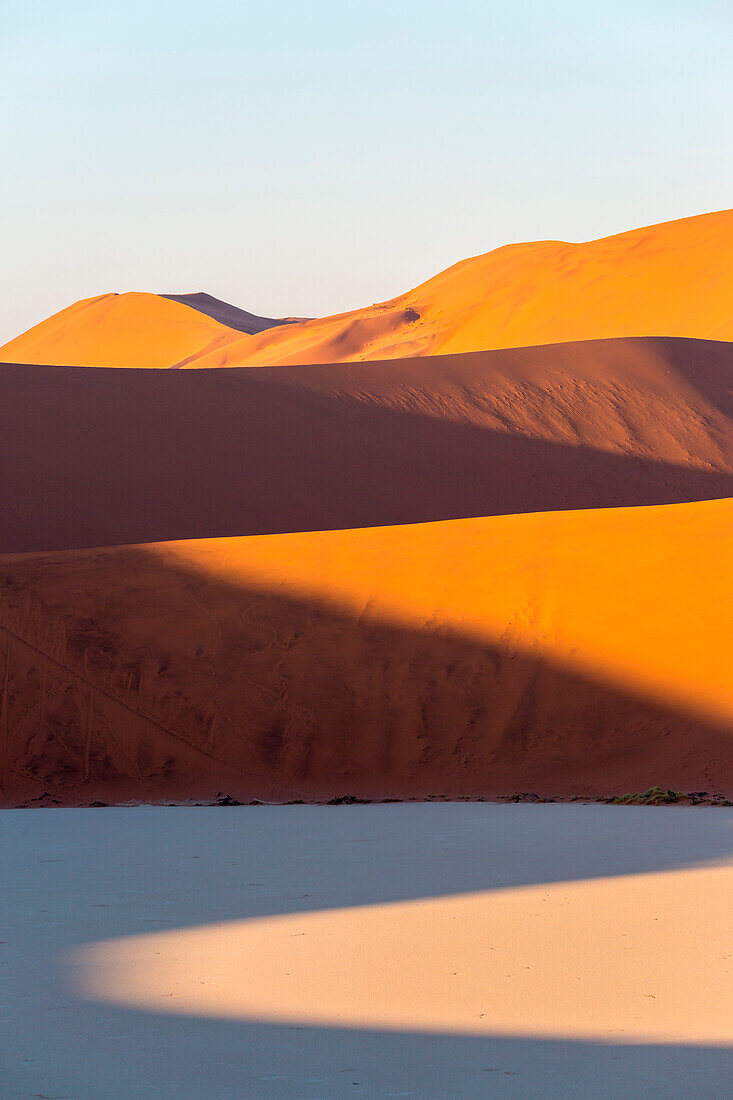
(120, 330)
(564, 630)
(98, 458)
(576, 653)
(673, 279)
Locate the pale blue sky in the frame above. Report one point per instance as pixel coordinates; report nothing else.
(308, 157)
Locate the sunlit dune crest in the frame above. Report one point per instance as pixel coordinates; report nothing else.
(633, 959)
(120, 330)
(671, 279)
(468, 574)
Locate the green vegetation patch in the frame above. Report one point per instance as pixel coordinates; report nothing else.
(655, 796)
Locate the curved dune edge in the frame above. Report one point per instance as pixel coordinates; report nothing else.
(113, 457)
(631, 959)
(577, 653)
(635, 596)
(120, 330)
(671, 279)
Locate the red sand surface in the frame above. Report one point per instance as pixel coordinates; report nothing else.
(561, 634)
(414, 566)
(672, 279)
(102, 458)
(564, 653)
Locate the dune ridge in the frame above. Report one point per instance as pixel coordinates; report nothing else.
(671, 279)
(388, 559)
(99, 458)
(460, 576)
(229, 315)
(565, 654)
(120, 330)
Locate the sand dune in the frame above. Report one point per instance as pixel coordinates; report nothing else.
(120, 330)
(563, 652)
(576, 653)
(467, 574)
(97, 458)
(672, 279)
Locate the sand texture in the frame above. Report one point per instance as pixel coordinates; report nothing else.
(483, 573)
(102, 458)
(567, 653)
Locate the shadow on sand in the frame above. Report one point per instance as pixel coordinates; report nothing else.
(171, 683)
(125, 872)
(113, 457)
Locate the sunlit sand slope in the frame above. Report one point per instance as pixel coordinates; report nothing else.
(673, 279)
(576, 653)
(99, 458)
(120, 330)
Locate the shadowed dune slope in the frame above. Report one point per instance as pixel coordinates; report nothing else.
(98, 458)
(571, 653)
(229, 315)
(672, 279)
(120, 330)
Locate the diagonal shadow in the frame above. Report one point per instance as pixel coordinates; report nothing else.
(232, 316)
(146, 869)
(705, 365)
(198, 1057)
(408, 700)
(111, 457)
(207, 685)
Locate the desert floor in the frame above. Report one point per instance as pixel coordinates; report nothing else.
(405, 950)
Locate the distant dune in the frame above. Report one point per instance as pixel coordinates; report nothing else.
(672, 279)
(473, 542)
(98, 458)
(123, 330)
(564, 654)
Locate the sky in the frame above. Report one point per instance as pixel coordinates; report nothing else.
(304, 158)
